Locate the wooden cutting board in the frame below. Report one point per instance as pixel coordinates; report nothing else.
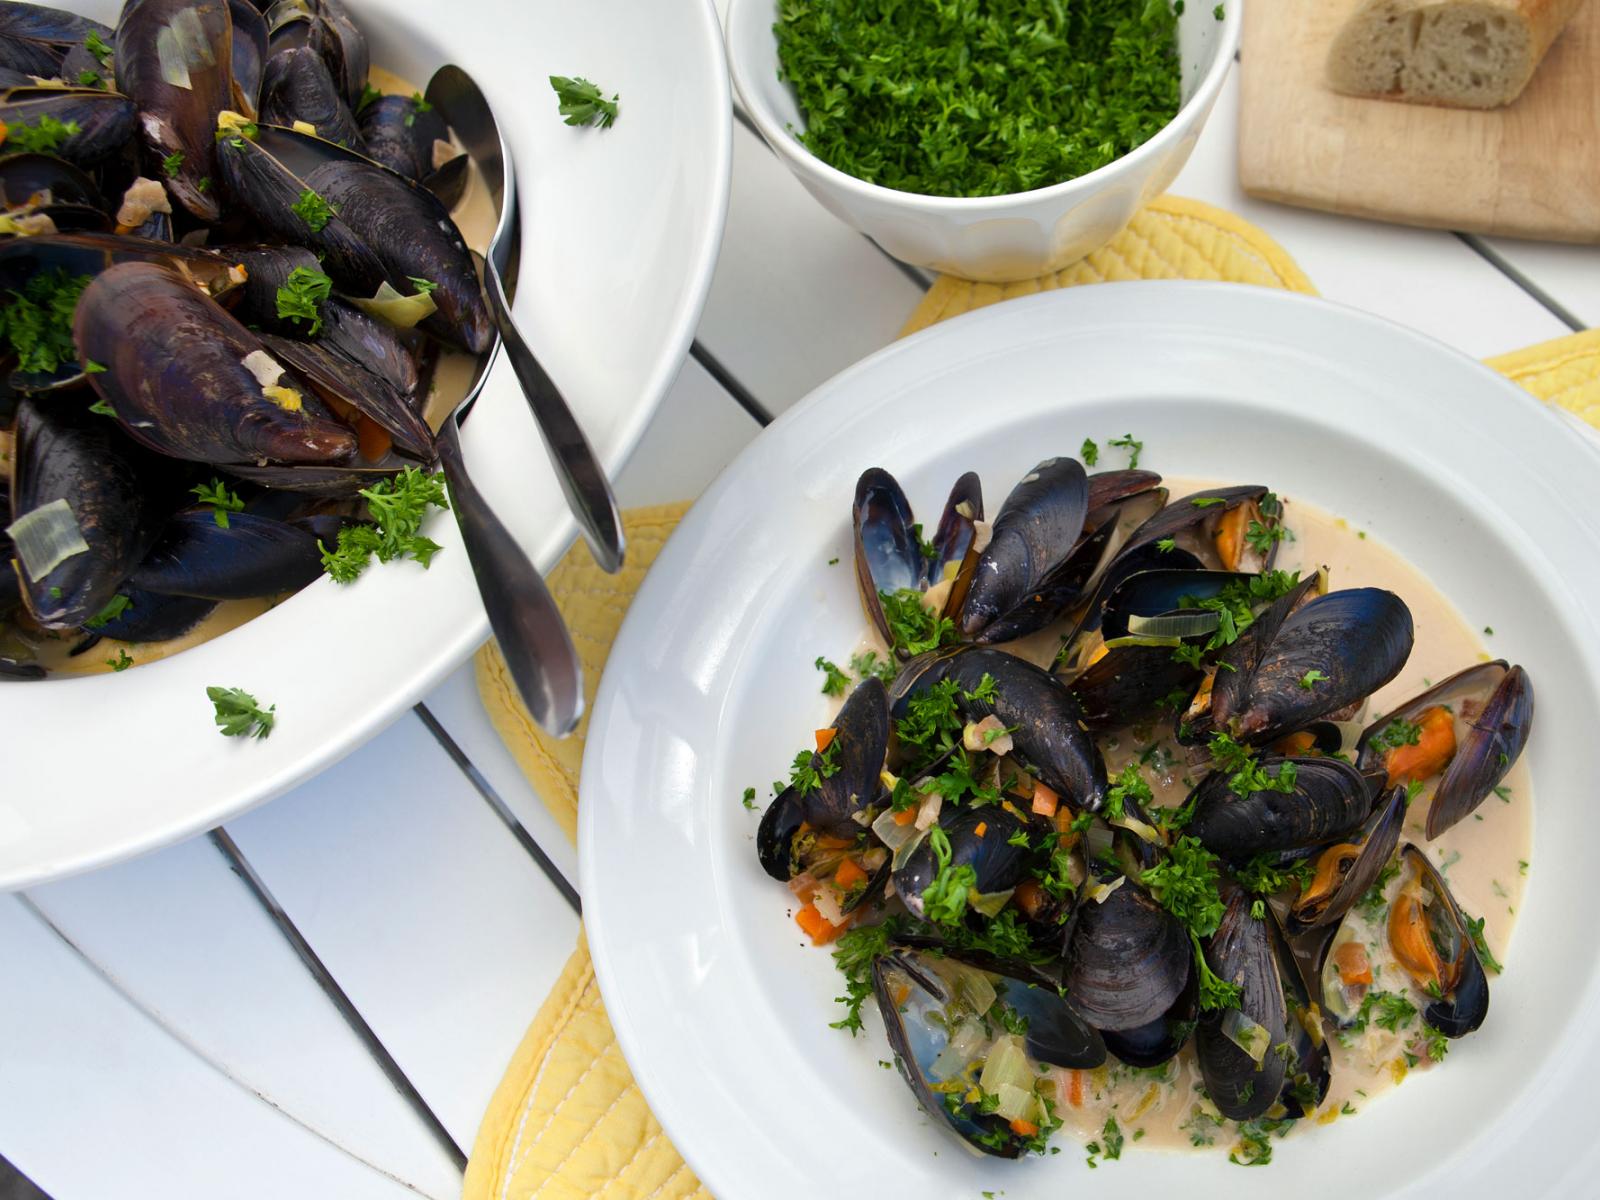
(1530, 170)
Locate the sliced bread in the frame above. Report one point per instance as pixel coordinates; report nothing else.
(1462, 53)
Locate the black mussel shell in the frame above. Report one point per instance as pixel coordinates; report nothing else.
(400, 134)
(176, 377)
(24, 177)
(860, 742)
(1130, 684)
(1046, 723)
(887, 558)
(1464, 1003)
(311, 479)
(1163, 592)
(1355, 640)
(1127, 962)
(1035, 532)
(152, 617)
(1345, 870)
(117, 492)
(1158, 1041)
(979, 838)
(296, 86)
(342, 383)
(251, 556)
(34, 39)
(1330, 800)
(10, 582)
(104, 120)
(249, 55)
(1242, 952)
(1186, 521)
(178, 92)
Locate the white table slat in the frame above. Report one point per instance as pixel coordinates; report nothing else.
(1427, 279)
(698, 431)
(1569, 275)
(179, 934)
(798, 295)
(97, 1100)
(436, 923)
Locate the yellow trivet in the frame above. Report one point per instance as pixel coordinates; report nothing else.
(568, 1122)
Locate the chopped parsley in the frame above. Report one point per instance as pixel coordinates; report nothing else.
(1389, 1010)
(114, 608)
(1215, 991)
(1129, 785)
(425, 287)
(1264, 877)
(1246, 775)
(582, 103)
(313, 210)
(1207, 501)
(977, 100)
(749, 798)
(418, 105)
(121, 662)
(1235, 606)
(219, 499)
(172, 164)
(1089, 452)
(867, 663)
(1490, 963)
(1129, 443)
(1311, 678)
(835, 682)
(913, 627)
(1372, 902)
(1255, 1137)
(1185, 884)
(239, 714)
(302, 295)
(1398, 732)
(1166, 545)
(854, 953)
(398, 507)
(43, 136)
(368, 95)
(96, 46)
(37, 321)
(944, 901)
(804, 777)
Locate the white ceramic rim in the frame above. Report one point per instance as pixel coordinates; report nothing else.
(311, 751)
(673, 971)
(801, 159)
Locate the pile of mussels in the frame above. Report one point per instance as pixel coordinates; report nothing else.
(1055, 917)
(200, 157)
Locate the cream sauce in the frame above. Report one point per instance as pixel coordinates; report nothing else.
(1484, 857)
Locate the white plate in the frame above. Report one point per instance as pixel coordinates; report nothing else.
(722, 1012)
(620, 233)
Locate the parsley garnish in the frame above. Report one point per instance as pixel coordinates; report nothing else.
(1255, 1144)
(835, 681)
(37, 321)
(425, 287)
(1186, 885)
(1215, 991)
(1247, 776)
(101, 408)
(302, 295)
(96, 46)
(1264, 877)
(977, 100)
(582, 103)
(220, 500)
(91, 79)
(1129, 785)
(418, 105)
(1391, 1011)
(1131, 445)
(1089, 452)
(1490, 963)
(804, 777)
(114, 608)
(866, 664)
(172, 164)
(1398, 732)
(1207, 501)
(398, 507)
(121, 662)
(1311, 678)
(368, 95)
(749, 798)
(1165, 545)
(912, 626)
(43, 136)
(854, 953)
(313, 210)
(944, 901)
(239, 714)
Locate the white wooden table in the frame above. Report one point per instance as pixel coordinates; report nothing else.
(161, 1034)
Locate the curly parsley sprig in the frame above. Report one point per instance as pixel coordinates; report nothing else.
(398, 507)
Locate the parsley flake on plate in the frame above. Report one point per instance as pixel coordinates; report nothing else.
(239, 714)
(582, 103)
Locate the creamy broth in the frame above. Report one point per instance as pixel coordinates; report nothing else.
(1484, 858)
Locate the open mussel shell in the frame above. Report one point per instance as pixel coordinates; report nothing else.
(1192, 526)
(860, 742)
(174, 61)
(35, 40)
(325, 26)
(373, 226)
(1158, 603)
(345, 387)
(50, 185)
(188, 380)
(887, 557)
(1127, 962)
(152, 617)
(920, 1007)
(980, 839)
(1349, 642)
(98, 502)
(1430, 936)
(1235, 1047)
(1330, 799)
(1130, 684)
(104, 120)
(249, 55)
(296, 86)
(1034, 533)
(1158, 1041)
(251, 556)
(310, 479)
(1345, 870)
(1488, 710)
(1047, 729)
(401, 135)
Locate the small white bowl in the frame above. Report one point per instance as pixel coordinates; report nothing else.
(988, 238)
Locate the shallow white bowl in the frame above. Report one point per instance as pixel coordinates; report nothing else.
(990, 238)
(620, 230)
(720, 1008)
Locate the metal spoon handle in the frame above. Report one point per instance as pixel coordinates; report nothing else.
(582, 479)
(522, 613)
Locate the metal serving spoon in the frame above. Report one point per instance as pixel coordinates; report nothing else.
(462, 104)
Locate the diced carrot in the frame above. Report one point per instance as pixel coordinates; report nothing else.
(2, 133)
(905, 816)
(1230, 535)
(1045, 802)
(1295, 743)
(1023, 1128)
(825, 738)
(848, 875)
(827, 841)
(1064, 822)
(1354, 968)
(1030, 897)
(821, 930)
(1075, 1090)
(980, 829)
(1434, 748)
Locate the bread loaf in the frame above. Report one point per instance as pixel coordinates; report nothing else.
(1463, 53)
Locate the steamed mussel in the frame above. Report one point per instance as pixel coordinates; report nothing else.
(196, 419)
(1126, 760)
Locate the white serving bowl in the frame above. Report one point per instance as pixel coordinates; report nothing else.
(988, 238)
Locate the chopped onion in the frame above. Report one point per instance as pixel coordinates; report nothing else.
(1101, 892)
(1145, 833)
(143, 197)
(982, 531)
(828, 905)
(1007, 1064)
(928, 813)
(988, 734)
(1099, 842)
(970, 987)
(46, 537)
(907, 848)
(263, 366)
(803, 884)
(305, 127)
(403, 312)
(1134, 639)
(890, 832)
(1255, 1040)
(965, 1041)
(988, 903)
(1191, 623)
(862, 817)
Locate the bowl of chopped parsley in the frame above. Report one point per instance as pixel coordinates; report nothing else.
(991, 139)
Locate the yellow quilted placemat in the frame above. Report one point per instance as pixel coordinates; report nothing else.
(568, 1122)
